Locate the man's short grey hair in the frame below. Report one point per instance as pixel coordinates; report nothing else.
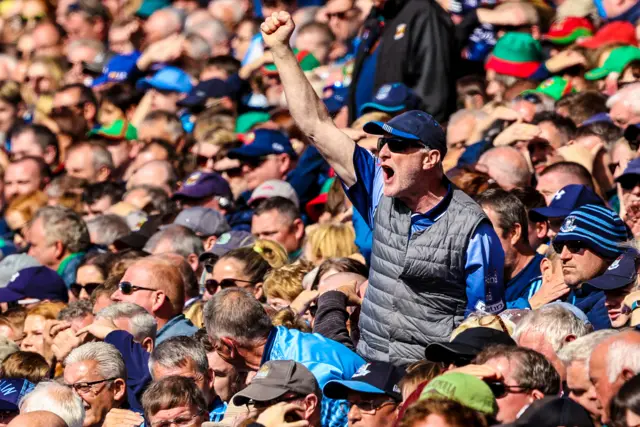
(237, 314)
(198, 47)
(236, 9)
(555, 322)
(142, 324)
(96, 45)
(107, 357)
(176, 352)
(76, 310)
(106, 229)
(7, 347)
(184, 242)
(580, 350)
(56, 398)
(64, 225)
(173, 18)
(622, 355)
(630, 95)
(101, 157)
(213, 31)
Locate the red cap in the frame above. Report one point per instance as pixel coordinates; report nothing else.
(615, 32)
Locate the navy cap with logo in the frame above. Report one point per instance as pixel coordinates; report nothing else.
(466, 345)
(597, 227)
(622, 272)
(204, 222)
(11, 391)
(631, 173)
(392, 98)
(566, 200)
(234, 239)
(209, 89)
(38, 283)
(261, 143)
(373, 378)
(415, 125)
(199, 185)
(337, 99)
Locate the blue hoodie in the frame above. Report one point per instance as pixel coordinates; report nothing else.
(591, 301)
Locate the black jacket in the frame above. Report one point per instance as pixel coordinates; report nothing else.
(417, 47)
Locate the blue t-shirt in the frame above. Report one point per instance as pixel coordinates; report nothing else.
(519, 286)
(485, 258)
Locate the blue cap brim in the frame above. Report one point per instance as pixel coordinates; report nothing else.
(380, 128)
(8, 295)
(100, 80)
(340, 389)
(192, 101)
(380, 107)
(333, 105)
(610, 282)
(550, 212)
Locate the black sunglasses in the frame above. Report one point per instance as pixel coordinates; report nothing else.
(399, 145)
(573, 246)
(127, 288)
(212, 285)
(629, 183)
(500, 389)
(76, 288)
(232, 172)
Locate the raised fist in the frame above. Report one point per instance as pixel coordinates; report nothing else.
(277, 29)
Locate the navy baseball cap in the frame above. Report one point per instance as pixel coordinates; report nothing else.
(40, 283)
(12, 391)
(622, 272)
(392, 98)
(117, 69)
(416, 125)
(261, 143)
(631, 172)
(202, 221)
(209, 89)
(466, 345)
(373, 378)
(337, 99)
(204, 184)
(234, 239)
(169, 78)
(566, 200)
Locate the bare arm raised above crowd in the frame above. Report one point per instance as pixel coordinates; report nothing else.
(306, 108)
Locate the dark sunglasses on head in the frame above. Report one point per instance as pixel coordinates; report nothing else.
(203, 160)
(573, 246)
(127, 288)
(212, 285)
(76, 288)
(399, 145)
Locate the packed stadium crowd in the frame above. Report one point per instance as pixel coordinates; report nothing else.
(319, 213)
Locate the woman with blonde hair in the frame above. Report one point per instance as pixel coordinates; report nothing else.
(283, 285)
(34, 325)
(330, 241)
(43, 77)
(21, 211)
(244, 268)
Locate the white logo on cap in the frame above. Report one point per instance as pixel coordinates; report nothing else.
(223, 239)
(277, 146)
(383, 92)
(614, 265)
(559, 195)
(14, 277)
(569, 224)
(362, 371)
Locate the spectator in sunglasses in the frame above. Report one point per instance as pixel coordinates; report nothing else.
(630, 188)
(78, 99)
(588, 243)
(92, 272)
(156, 285)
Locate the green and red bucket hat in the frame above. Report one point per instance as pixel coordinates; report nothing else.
(569, 30)
(555, 87)
(516, 54)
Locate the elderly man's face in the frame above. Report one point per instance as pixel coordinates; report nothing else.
(79, 164)
(580, 388)
(39, 247)
(227, 380)
(343, 18)
(360, 414)
(76, 57)
(21, 178)
(623, 114)
(605, 389)
(78, 27)
(138, 275)
(179, 415)
(510, 405)
(25, 145)
(402, 172)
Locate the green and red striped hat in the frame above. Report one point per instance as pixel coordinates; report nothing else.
(569, 30)
(555, 87)
(515, 54)
(305, 58)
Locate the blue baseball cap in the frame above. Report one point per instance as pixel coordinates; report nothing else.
(566, 200)
(199, 185)
(39, 283)
(597, 118)
(117, 69)
(631, 172)
(337, 99)
(169, 78)
(622, 272)
(416, 125)
(598, 227)
(392, 98)
(373, 378)
(11, 391)
(148, 7)
(263, 142)
(213, 88)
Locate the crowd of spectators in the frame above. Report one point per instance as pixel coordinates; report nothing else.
(319, 213)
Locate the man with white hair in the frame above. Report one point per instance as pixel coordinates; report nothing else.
(162, 24)
(613, 362)
(574, 356)
(624, 106)
(215, 33)
(133, 319)
(56, 398)
(97, 373)
(548, 329)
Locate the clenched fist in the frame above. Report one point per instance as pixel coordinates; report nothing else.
(277, 29)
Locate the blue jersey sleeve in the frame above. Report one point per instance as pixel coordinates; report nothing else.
(365, 194)
(484, 270)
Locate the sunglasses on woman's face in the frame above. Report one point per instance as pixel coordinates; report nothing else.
(76, 288)
(212, 285)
